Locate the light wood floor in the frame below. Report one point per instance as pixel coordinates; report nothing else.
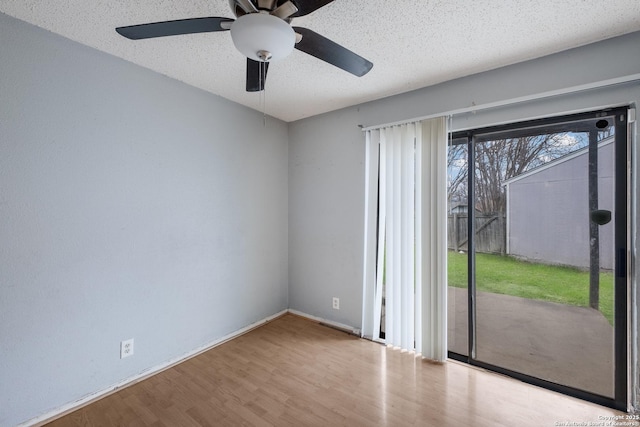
(295, 372)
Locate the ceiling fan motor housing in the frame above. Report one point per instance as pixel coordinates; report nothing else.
(261, 5)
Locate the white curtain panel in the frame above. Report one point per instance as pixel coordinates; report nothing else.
(370, 224)
(406, 203)
(432, 213)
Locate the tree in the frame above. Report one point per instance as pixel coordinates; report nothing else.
(502, 159)
(457, 173)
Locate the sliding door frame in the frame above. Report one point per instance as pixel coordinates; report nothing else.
(621, 244)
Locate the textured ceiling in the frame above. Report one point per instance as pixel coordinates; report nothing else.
(412, 43)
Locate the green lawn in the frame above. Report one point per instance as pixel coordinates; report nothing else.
(506, 275)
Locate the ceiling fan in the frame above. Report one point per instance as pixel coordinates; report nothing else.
(262, 32)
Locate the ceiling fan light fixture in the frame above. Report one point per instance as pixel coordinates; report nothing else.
(254, 34)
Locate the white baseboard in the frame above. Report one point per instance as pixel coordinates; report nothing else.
(86, 400)
(338, 325)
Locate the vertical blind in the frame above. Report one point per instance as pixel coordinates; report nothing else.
(405, 237)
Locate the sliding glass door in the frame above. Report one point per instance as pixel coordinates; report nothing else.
(537, 252)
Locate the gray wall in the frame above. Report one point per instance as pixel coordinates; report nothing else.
(326, 210)
(548, 212)
(131, 206)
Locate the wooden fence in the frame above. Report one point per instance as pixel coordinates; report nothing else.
(491, 233)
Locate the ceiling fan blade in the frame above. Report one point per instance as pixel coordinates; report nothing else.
(322, 48)
(248, 6)
(285, 10)
(305, 7)
(266, 4)
(256, 75)
(174, 28)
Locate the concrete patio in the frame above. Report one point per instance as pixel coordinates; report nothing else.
(559, 343)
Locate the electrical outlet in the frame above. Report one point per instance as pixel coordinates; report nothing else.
(336, 303)
(126, 348)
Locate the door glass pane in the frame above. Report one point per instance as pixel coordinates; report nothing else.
(544, 281)
(457, 224)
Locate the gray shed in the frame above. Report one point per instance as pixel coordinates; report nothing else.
(548, 210)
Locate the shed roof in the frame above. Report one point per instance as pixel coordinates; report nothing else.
(557, 161)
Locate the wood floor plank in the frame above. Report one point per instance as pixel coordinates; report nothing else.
(295, 372)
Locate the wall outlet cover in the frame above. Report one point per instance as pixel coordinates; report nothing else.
(126, 348)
